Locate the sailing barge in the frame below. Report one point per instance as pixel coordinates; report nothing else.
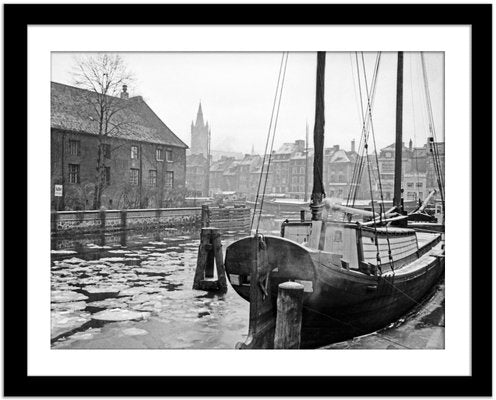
(358, 276)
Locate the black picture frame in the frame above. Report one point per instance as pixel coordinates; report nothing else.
(17, 17)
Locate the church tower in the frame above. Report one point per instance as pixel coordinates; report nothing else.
(200, 135)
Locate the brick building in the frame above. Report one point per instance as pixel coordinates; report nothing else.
(144, 161)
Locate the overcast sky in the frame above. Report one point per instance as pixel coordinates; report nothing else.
(236, 91)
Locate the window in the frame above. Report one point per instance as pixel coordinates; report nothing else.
(107, 176)
(409, 184)
(338, 236)
(419, 184)
(74, 148)
(152, 178)
(74, 173)
(106, 150)
(168, 155)
(159, 153)
(169, 179)
(134, 176)
(134, 152)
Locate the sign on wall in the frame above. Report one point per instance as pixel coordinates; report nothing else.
(58, 190)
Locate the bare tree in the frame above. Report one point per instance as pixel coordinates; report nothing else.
(104, 75)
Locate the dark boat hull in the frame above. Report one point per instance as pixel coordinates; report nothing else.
(338, 303)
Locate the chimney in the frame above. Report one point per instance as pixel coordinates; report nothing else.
(353, 146)
(124, 93)
(410, 145)
(336, 147)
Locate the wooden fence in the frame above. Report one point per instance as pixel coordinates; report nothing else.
(235, 219)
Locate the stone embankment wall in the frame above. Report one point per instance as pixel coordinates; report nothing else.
(68, 222)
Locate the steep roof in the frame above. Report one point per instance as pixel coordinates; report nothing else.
(196, 160)
(340, 156)
(72, 110)
(221, 165)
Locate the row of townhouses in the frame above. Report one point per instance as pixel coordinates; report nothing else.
(291, 172)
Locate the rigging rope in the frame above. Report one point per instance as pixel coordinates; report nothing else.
(434, 150)
(366, 126)
(273, 136)
(267, 142)
(414, 129)
(369, 108)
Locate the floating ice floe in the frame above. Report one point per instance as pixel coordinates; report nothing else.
(134, 332)
(95, 246)
(82, 336)
(118, 314)
(63, 252)
(149, 278)
(108, 303)
(64, 323)
(64, 296)
(138, 290)
(112, 259)
(156, 254)
(73, 260)
(149, 306)
(69, 306)
(118, 251)
(96, 292)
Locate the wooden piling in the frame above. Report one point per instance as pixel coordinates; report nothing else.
(123, 219)
(210, 251)
(288, 320)
(102, 219)
(205, 216)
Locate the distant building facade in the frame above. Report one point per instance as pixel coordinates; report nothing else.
(291, 168)
(144, 161)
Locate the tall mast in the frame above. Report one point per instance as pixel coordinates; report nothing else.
(399, 134)
(318, 140)
(306, 161)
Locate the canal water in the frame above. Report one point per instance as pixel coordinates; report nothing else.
(134, 290)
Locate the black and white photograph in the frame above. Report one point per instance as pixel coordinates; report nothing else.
(220, 200)
(247, 200)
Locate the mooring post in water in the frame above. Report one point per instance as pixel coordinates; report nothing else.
(288, 320)
(102, 218)
(210, 251)
(205, 216)
(123, 219)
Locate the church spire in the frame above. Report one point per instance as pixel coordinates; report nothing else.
(199, 116)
